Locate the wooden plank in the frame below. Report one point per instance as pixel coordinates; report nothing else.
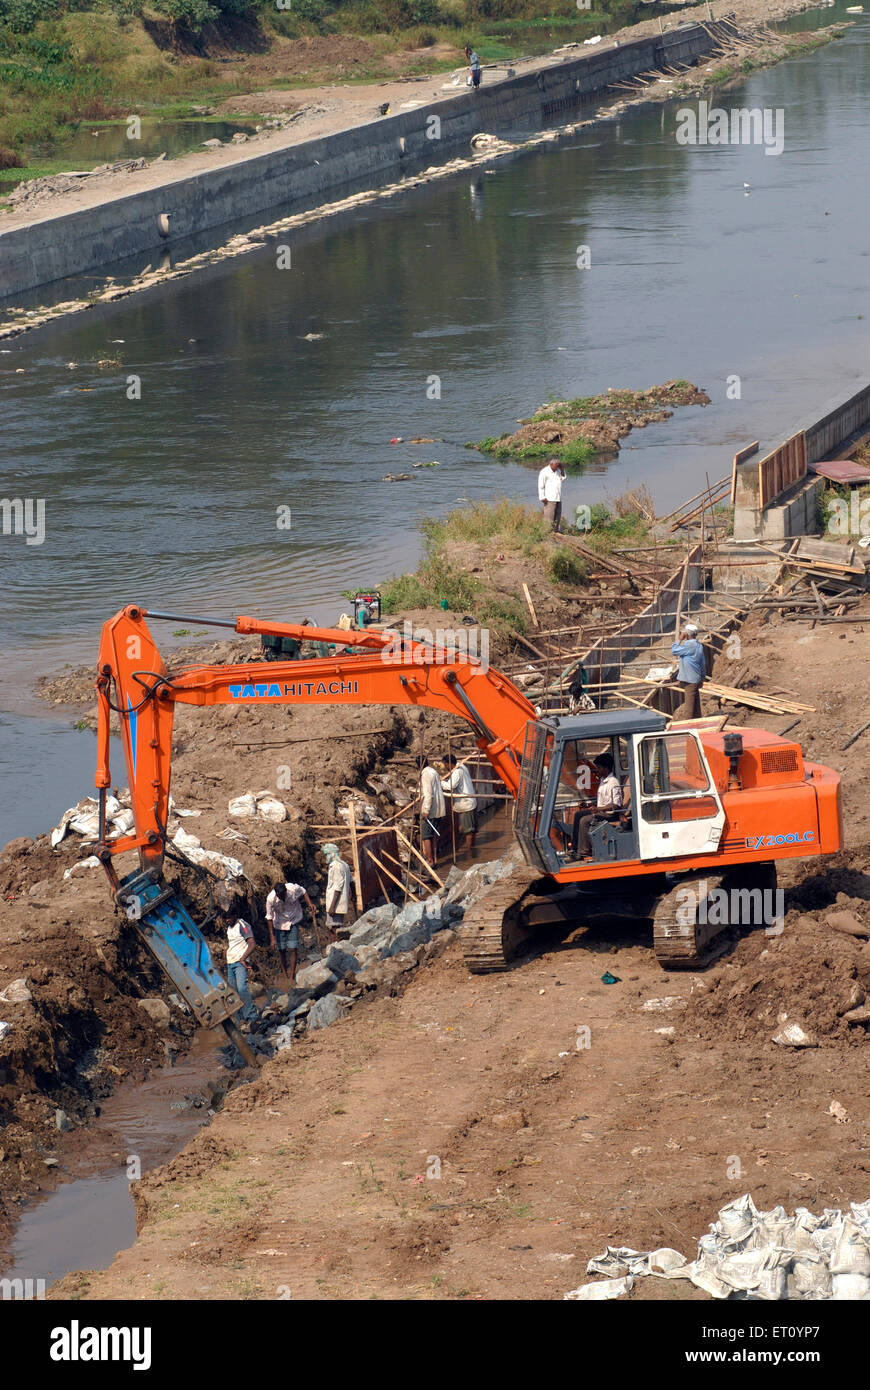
(354, 849)
(531, 605)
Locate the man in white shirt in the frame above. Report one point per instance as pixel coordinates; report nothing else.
(432, 808)
(460, 793)
(550, 480)
(607, 802)
(338, 883)
(284, 913)
(240, 946)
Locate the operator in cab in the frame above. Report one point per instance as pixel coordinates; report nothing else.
(608, 801)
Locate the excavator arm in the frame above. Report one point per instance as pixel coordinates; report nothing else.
(134, 682)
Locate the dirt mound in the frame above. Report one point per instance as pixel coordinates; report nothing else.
(811, 975)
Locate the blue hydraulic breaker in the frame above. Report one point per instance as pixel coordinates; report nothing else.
(180, 949)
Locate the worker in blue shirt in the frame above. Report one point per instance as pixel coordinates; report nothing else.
(691, 671)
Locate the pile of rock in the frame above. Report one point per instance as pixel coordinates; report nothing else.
(385, 943)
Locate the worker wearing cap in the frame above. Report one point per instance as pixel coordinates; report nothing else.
(691, 671)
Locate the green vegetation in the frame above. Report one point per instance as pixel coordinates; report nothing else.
(578, 429)
(63, 62)
(608, 529)
(574, 453)
(503, 528)
(564, 566)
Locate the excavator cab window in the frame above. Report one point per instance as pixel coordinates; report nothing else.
(558, 787)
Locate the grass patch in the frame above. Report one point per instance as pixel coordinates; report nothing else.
(574, 453)
(503, 526)
(564, 567)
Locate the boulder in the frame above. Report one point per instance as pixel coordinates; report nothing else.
(365, 955)
(326, 1011)
(157, 1010)
(847, 923)
(317, 977)
(373, 927)
(341, 962)
(415, 925)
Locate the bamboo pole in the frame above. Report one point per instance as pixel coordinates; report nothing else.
(354, 849)
(408, 871)
(378, 865)
(405, 841)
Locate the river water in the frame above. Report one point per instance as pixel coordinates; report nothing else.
(172, 500)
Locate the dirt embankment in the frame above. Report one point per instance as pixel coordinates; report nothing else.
(468, 1138)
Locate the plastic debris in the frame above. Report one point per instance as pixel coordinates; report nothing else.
(608, 979)
(16, 993)
(607, 1288)
(4, 1029)
(760, 1255)
(263, 805)
(76, 870)
(664, 1005)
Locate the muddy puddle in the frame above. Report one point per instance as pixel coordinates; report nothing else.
(90, 1217)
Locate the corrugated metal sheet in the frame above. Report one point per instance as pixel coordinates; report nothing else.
(842, 471)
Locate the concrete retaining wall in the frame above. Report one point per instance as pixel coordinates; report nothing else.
(795, 512)
(288, 180)
(824, 436)
(605, 660)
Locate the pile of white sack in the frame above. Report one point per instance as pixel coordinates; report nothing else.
(751, 1254)
(84, 820)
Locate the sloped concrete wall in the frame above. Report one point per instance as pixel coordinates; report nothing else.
(287, 180)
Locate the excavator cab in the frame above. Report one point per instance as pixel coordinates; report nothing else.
(670, 804)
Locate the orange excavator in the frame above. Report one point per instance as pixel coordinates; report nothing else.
(705, 812)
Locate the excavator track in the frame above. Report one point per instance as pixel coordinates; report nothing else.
(492, 932)
(680, 941)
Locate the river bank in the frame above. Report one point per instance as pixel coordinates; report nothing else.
(520, 96)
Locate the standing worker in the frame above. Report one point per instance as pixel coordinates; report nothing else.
(474, 65)
(550, 480)
(432, 808)
(338, 882)
(240, 946)
(691, 671)
(461, 795)
(284, 913)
